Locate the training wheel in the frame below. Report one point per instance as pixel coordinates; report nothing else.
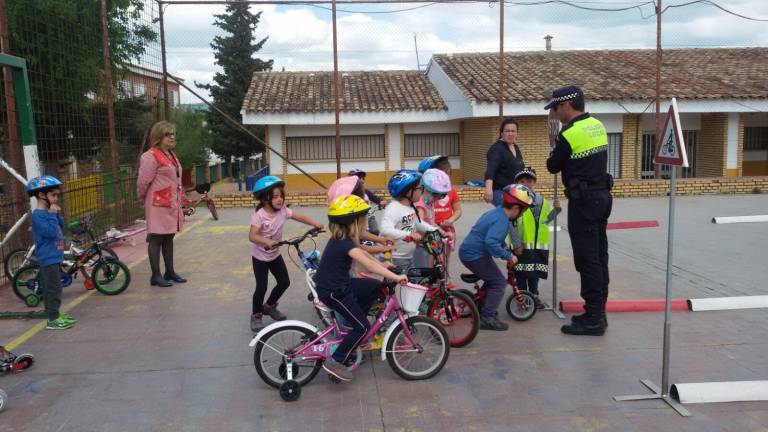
(22, 363)
(3, 399)
(290, 390)
(32, 300)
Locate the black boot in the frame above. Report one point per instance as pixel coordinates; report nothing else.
(590, 325)
(580, 318)
(174, 277)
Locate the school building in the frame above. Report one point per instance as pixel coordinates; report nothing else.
(392, 119)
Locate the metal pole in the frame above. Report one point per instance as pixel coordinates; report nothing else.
(111, 112)
(166, 98)
(668, 298)
(658, 78)
(416, 45)
(336, 92)
(501, 60)
(13, 154)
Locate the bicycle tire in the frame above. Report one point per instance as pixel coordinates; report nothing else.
(462, 328)
(212, 207)
(259, 356)
(430, 329)
(521, 314)
(15, 260)
(110, 270)
(26, 282)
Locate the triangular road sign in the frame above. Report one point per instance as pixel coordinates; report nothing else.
(670, 150)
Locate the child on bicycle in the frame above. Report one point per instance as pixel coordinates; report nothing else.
(485, 242)
(401, 221)
(348, 297)
(436, 185)
(352, 185)
(533, 231)
(266, 231)
(447, 209)
(47, 229)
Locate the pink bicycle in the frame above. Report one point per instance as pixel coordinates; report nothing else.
(290, 353)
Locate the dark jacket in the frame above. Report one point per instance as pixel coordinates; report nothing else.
(501, 165)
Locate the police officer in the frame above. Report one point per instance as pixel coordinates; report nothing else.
(581, 154)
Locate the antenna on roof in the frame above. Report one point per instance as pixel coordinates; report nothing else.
(416, 44)
(548, 38)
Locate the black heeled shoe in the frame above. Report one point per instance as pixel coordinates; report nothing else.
(159, 282)
(174, 277)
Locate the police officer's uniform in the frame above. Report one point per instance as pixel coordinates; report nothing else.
(581, 154)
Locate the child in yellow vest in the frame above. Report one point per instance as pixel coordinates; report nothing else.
(533, 231)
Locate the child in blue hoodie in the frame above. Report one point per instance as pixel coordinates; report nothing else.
(47, 226)
(486, 241)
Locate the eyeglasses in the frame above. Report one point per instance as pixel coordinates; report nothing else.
(170, 134)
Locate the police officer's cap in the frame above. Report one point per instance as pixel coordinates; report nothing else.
(526, 172)
(564, 94)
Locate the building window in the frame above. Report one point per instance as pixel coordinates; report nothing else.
(139, 89)
(124, 88)
(756, 138)
(691, 138)
(614, 154)
(174, 98)
(422, 145)
(318, 148)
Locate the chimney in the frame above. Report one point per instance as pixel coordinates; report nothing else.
(548, 38)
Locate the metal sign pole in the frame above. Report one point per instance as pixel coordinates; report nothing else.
(553, 129)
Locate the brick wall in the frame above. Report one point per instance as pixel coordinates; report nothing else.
(713, 139)
(631, 147)
(622, 189)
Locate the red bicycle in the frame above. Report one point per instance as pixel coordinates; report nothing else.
(188, 205)
(521, 305)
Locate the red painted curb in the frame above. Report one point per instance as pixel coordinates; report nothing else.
(633, 224)
(634, 305)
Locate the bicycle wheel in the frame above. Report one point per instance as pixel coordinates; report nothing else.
(212, 207)
(522, 309)
(3, 399)
(26, 285)
(17, 259)
(410, 363)
(269, 356)
(458, 315)
(110, 277)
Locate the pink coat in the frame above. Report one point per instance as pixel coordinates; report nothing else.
(159, 185)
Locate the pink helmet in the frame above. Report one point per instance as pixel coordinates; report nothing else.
(342, 186)
(436, 181)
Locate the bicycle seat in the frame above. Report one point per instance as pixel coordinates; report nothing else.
(203, 188)
(469, 278)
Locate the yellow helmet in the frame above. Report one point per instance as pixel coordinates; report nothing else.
(346, 209)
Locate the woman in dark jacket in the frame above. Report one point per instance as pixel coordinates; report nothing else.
(503, 161)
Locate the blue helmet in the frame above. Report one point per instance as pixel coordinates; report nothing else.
(402, 182)
(42, 184)
(267, 183)
(430, 162)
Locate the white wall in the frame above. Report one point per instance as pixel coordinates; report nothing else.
(434, 127)
(330, 167)
(614, 123)
(414, 163)
(732, 154)
(689, 121)
(394, 147)
(275, 141)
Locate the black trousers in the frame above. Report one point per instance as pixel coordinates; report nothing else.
(353, 304)
(587, 220)
(261, 270)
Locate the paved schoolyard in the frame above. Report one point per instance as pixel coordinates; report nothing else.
(173, 359)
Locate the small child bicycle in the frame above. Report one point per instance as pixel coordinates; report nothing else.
(521, 305)
(13, 364)
(289, 354)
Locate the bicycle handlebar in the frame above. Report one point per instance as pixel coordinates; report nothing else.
(295, 241)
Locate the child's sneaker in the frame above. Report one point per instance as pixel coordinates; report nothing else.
(337, 369)
(273, 312)
(59, 324)
(68, 317)
(256, 322)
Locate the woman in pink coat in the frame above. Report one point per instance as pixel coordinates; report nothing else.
(159, 185)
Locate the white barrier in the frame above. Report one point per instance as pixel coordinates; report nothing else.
(728, 303)
(739, 219)
(727, 391)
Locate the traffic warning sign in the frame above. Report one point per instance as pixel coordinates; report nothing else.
(670, 150)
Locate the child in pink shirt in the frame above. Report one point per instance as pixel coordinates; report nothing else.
(266, 231)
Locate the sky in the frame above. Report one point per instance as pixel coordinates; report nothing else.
(300, 37)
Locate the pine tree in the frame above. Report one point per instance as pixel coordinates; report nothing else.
(234, 53)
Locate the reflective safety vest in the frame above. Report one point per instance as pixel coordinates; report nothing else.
(533, 232)
(586, 138)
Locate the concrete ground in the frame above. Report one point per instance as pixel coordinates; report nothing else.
(177, 359)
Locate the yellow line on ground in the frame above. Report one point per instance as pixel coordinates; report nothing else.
(10, 346)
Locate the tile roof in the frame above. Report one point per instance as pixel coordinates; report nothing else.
(630, 74)
(370, 91)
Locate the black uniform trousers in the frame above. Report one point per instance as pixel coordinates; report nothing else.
(587, 220)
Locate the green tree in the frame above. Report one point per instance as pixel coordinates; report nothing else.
(61, 42)
(234, 53)
(192, 137)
